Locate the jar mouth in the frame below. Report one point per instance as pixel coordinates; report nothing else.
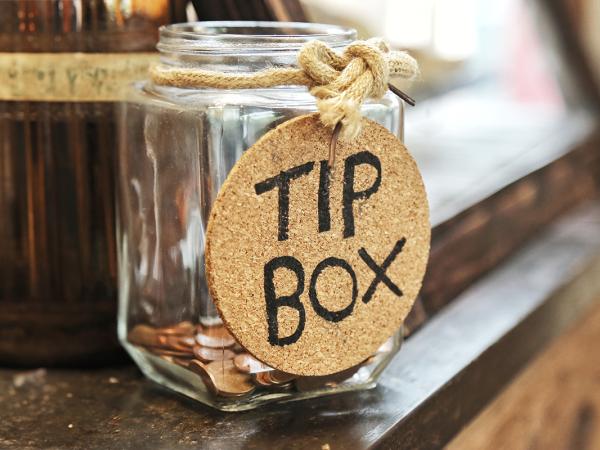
(235, 37)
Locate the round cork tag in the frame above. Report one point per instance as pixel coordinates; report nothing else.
(312, 269)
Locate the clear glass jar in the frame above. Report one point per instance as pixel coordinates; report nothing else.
(176, 148)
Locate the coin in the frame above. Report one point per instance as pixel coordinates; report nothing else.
(168, 352)
(182, 328)
(238, 348)
(225, 367)
(199, 368)
(209, 322)
(207, 354)
(144, 335)
(179, 343)
(278, 377)
(187, 341)
(262, 379)
(216, 331)
(249, 364)
(228, 380)
(223, 378)
(304, 384)
(215, 337)
(182, 362)
(273, 379)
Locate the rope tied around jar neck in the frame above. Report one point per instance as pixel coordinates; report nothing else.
(340, 82)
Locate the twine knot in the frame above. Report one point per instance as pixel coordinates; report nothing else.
(340, 82)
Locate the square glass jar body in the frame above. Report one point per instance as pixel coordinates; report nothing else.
(176, 148)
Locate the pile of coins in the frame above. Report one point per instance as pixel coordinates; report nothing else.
(223, 364)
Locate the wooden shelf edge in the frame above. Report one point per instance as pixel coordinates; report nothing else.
(477, 239)
(448, 371)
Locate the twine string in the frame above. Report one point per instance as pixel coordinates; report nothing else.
(340, 82)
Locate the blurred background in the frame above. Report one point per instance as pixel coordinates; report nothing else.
(496, 80)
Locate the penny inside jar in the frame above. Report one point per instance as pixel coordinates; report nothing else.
(223, 365)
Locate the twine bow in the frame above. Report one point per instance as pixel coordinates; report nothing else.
(340, 82)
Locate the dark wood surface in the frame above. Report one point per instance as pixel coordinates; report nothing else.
(527, 189)
(545, 285)
(442, 377)
(553, 404)
(474, 241)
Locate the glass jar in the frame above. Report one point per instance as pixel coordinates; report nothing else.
(177, 146)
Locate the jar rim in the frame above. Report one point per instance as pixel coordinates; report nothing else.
(226, 37)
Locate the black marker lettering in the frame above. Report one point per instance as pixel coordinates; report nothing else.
(349, 194)
(380, 275)
(273, 302)
(332, 316)
(282, 181)
(323, 203)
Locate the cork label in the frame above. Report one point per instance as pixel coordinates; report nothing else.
(312, 268)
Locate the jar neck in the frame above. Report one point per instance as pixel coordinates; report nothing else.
(236, 46)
